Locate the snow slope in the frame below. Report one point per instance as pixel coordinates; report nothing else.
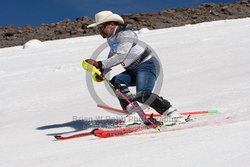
(43, 91)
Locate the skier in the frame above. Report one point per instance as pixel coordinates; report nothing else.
(141, 67)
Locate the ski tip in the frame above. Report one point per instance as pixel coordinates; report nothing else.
(57, 137)
(94, 130)
(213, 111)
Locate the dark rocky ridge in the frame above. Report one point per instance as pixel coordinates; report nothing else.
(13, 36)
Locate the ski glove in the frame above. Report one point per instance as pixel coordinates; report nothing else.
(97, 64)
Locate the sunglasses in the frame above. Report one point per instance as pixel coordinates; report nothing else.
(102, 26)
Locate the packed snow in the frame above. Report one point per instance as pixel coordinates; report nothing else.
(43, 92)
(32, 44)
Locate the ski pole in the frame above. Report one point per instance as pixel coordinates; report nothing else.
(91, 68)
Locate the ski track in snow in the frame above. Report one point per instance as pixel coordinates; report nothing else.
(43, 92)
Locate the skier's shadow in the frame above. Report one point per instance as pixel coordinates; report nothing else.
(79, 125)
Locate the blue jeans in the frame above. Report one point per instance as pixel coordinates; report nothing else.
(143, 76)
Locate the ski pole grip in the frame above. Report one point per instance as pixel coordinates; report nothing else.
(88, 67)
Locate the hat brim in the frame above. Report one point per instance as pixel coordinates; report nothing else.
(94, 24)
(113, 17)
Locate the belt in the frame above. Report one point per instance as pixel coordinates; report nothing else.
(138, 61)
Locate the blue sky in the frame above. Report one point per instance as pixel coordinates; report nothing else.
(36, 12)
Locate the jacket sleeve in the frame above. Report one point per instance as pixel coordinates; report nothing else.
(125, 42)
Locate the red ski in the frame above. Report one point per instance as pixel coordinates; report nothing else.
(102, 133)
(112, 133)
(73, 136)
(210, 111)
(107, 133)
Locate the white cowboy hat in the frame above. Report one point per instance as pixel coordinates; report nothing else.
(106, 16)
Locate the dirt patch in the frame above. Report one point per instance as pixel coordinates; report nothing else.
(14, 36)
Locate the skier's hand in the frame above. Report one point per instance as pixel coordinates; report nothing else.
(95, 63)
(97, 77)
